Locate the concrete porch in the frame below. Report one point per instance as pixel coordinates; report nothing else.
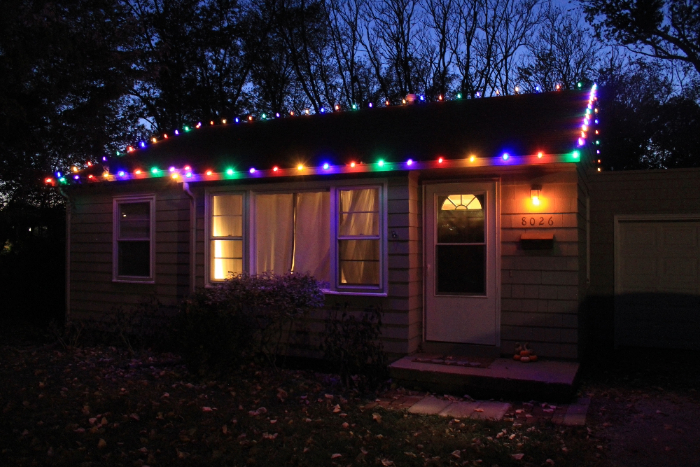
(544, 380)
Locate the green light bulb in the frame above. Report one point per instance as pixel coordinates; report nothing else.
(229, 171)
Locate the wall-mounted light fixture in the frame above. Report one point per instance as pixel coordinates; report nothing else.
(535, 192)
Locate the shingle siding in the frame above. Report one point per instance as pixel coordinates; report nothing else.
(540, 291)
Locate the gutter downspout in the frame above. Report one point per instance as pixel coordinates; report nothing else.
(193, 234)
(68, 221)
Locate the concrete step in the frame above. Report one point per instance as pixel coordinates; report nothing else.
(502, 378)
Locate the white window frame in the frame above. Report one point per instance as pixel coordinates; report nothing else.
(337, 287)
(116, 202)
(208, 219)
(249, 192)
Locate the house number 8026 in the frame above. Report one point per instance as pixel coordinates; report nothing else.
(537, 221)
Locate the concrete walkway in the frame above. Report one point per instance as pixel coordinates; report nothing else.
(517, 412)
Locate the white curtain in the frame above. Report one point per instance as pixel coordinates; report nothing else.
(274, 232)
(312, 235)
(292, 233)
(359, 219)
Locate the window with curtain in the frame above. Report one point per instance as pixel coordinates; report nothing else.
(133, 239)
(292, 233)
(295, 232)
(226, 236)
(359, 249)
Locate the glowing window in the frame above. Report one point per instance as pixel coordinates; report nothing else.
(457, 202)
(226, 242)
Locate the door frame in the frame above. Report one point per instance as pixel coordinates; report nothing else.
(428, 223)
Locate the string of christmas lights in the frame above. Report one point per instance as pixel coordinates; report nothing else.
(186, 173)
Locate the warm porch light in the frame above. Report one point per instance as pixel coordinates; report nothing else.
(535, 192)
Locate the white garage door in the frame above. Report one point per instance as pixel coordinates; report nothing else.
(657, 282)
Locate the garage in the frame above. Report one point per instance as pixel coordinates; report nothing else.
(657, 281)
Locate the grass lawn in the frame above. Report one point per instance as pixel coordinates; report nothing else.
(103, 406)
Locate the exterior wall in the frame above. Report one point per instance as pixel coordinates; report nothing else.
(91, 289)
(541, 294)
(403, 306)
(674, 191)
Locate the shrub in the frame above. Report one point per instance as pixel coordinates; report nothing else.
(210, 337)
(354, 347)
(258, 313)
(144, 325)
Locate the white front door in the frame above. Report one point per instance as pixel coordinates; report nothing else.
(460, 245)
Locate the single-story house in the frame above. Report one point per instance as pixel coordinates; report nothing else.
(469, 222)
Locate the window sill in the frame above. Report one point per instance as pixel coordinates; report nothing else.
(128, 280)
(355, 293)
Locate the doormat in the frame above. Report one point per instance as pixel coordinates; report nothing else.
(451, 360)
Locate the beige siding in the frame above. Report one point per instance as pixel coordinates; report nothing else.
(92, 291)
(541, 289)
(403, 306)
(675, 191)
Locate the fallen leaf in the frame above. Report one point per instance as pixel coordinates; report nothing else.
(102, 443)
(336, 409)
(478, 410)
(336, 455)
(518, 456)
(135, 417)
(387, 462)
(206, 409)
(377, 417)
(224, 429)
(345, 425)
(456, 453)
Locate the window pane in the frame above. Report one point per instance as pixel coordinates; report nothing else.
(461, 269)
(227, 216)
(227, 205)
(359, 212)
(134, 259)
(227, 226)
(134, 220)
(359, 262)
(366, 199)
(226, 258)
(460, 219)
(359, 224)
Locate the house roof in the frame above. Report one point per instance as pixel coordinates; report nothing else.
(521, 126)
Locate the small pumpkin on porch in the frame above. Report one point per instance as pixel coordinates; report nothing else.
(524, 353)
